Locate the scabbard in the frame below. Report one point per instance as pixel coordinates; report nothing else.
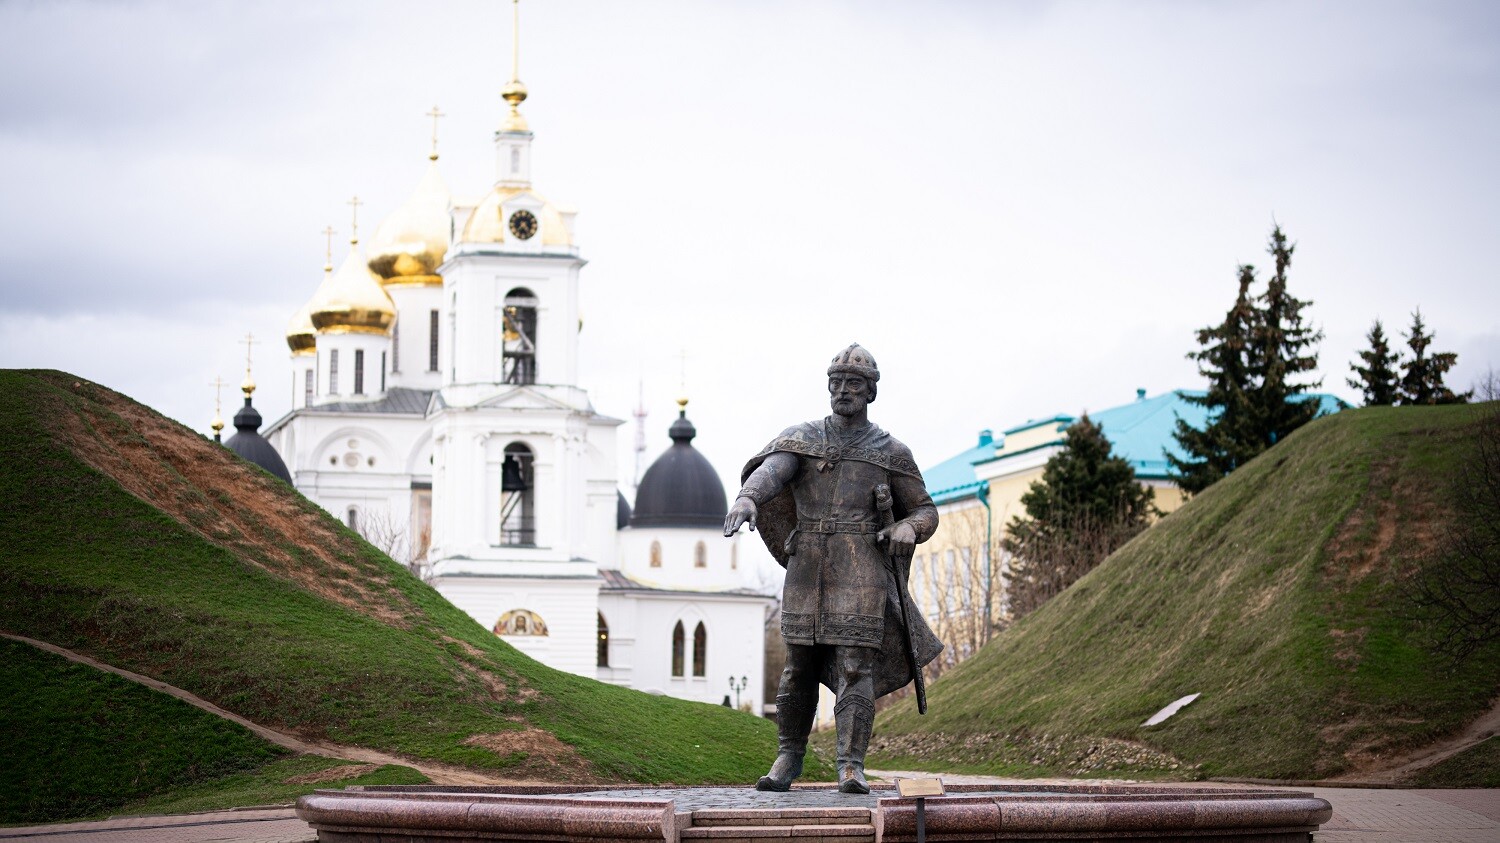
(889, 519)
(911, 650)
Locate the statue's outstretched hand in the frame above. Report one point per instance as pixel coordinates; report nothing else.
(900, 539)
(743, 512)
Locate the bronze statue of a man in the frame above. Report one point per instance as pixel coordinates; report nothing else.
(840, 504)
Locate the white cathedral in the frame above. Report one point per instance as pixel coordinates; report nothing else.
(436, 403)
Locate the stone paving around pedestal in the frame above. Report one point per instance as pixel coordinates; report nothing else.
(745, 798)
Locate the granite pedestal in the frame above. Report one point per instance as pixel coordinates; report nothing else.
(1136, 813)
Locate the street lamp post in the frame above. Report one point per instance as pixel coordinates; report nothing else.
(737, 687)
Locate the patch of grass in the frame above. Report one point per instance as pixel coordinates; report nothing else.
(266, 785)
(140, 568)
(1276, 594)
(1477, 766)
(79, 741)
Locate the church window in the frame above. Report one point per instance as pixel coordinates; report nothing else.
(603, 642)
(359, 371)
(656, 554)
(333, 372)
(382, 371)
(396, 346)
(520, 622)
(700, 555)
(517, 496)
(351, 518)
(432, 342)
(308, 384)
(518, 337)
(700, 650)
(515, 160)
(677, 648)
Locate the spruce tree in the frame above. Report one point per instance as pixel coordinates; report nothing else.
(1086, 480)
(1378, 380)
(1283, 347)
(1422, 378)
(1252, 361)
(1087, 504)
(1222, 445)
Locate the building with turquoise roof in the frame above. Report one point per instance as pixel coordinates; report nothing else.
(979, 489)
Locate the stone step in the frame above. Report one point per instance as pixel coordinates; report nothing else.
(824, 833)
(782, 817)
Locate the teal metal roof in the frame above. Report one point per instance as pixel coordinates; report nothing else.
(1062, 423)
(953, 478)
(1140, 432)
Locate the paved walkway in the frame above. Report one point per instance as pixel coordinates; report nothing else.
(1360, 815)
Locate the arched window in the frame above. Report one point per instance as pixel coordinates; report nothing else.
(656, 554)
(520, 622)
(603, 642)
(700, 555)
(518, 362)
(700, 650)
(351, 518)
(517, 496)
(677, 647)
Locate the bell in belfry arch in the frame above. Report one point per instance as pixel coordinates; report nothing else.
(510, 475)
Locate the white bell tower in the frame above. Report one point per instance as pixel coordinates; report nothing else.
(524, 496)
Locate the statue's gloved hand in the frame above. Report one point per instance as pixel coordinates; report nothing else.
(743, 512)
(899, 539)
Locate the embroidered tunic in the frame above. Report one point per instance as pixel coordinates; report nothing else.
(822, 527)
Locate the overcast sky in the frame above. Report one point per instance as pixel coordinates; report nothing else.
(1020, 208)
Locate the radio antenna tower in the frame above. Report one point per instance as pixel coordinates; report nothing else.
(640, 434)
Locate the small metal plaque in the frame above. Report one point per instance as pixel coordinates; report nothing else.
(909, 788)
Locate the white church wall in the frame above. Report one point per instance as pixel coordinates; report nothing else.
(304, 380)
(641, 629)
(679, 550)
(620, 615)
(354, 380)
(561, 603)
(411, 363)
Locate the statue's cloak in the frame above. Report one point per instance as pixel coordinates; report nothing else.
(888, 461)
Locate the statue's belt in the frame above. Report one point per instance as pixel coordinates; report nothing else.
(829, 525)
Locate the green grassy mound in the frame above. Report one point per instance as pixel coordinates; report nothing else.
(276, 783)
(1278, 594)
(95, 744)
(93, 741)
(131, 539)
(1477, 766)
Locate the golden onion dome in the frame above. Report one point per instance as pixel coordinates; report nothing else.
(301, 336)
(352, 300)
(410, 244)
(488, 225)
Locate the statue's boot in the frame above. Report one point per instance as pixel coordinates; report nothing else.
(794, 717)
(854, 716)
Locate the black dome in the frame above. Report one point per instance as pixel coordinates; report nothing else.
(680, 489)
(248, 443)
(622, 512)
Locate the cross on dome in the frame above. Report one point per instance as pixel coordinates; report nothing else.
(328, 233)
(354, 219)
(248, 385)
(218, 423)
(435, 114)
(514, 91)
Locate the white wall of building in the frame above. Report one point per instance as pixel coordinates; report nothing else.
(561, 603)
(641, 625)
